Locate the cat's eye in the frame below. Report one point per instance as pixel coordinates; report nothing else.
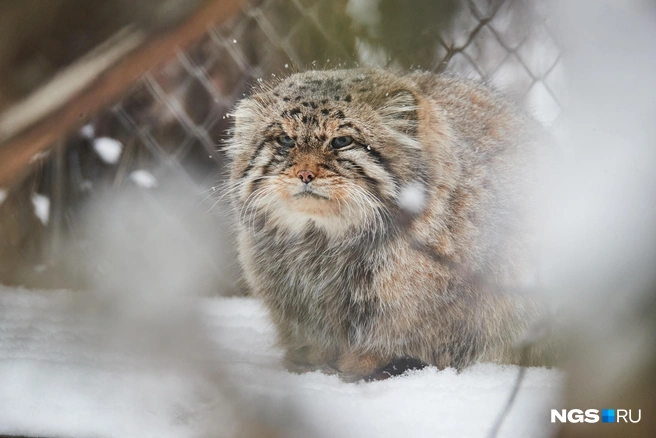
(286, 140)
(341, 142)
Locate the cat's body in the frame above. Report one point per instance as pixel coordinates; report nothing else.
(385, 216)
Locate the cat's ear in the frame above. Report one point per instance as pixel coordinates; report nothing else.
(399, 111)
(246, 118)
(250, 109)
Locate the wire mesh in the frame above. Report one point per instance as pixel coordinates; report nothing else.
(172, 122)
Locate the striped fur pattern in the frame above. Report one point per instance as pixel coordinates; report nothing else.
(353, 281)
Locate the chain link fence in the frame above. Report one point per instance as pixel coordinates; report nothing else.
(170, 125)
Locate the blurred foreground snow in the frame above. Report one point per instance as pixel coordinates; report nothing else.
(61, 376)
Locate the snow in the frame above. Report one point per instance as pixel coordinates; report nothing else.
(365, 13)
(144, 179)
(542, 104)
(88, 131)
(61, 375)
(41, 205)
(370, 55)
(412, 198)
(108, 149)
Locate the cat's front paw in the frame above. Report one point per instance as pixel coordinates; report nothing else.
(305, 360)
(369, 367)
(357, 366)
(396, 367)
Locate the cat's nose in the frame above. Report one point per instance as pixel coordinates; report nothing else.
(305, 175)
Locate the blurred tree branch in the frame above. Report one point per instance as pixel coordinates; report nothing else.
(63, 60)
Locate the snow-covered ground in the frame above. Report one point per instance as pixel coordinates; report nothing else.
(65, 372)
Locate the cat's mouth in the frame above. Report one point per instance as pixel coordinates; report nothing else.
(309, 192)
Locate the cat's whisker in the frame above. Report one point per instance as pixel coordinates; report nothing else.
(227, 191)
(252, 207)
(256, 206)
(246, 204)
(243, 183)
(254, 211)
(366, 196)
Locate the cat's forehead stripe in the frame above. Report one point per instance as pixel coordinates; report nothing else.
(336, 88)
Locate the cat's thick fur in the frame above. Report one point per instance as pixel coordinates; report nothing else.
(352, 279)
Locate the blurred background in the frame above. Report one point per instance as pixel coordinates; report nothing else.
(169, 123)
(111, 178)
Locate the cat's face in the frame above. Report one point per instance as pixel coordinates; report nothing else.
(331, 147)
